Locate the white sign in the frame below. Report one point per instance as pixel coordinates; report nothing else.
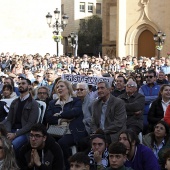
(87, 79)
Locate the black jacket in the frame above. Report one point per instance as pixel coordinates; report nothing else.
(156, 112)
(3, 112)
(53, 156)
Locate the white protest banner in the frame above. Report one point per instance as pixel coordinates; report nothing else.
(87, 79)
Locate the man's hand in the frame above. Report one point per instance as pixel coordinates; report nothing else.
(97, 157)
(31, 164)
(11, 136)
(138, 112)
(56, 114)
(36, 157)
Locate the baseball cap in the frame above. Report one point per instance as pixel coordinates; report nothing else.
(21, 76)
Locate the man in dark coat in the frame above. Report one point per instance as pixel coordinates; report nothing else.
(134, 103)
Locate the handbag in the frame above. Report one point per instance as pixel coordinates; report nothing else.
(57, 130)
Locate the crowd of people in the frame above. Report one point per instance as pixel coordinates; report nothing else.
(119, 125)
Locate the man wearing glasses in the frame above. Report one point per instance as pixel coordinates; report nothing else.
(150, 90)
(43, 94)
(134, 103)
(82, 92)
(42, 152)
(23, 113)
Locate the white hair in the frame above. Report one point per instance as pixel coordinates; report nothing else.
(85, 85)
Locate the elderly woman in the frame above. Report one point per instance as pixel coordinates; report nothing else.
(66, 109)
(7, 157)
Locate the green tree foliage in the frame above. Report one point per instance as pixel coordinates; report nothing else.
(90, 36)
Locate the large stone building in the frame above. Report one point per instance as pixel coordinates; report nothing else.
(129, 27)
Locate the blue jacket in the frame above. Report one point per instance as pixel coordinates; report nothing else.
(71, 110)
(150, 93)
(144, 159)
(165, 69)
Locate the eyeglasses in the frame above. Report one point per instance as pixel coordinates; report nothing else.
(36, 136)
(21, 83)
(80, 89)
(149, 77)
(130, 85)
(42, 93)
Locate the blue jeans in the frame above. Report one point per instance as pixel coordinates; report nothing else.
(18, 142)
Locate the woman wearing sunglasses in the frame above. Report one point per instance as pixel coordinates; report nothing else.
(139, 80)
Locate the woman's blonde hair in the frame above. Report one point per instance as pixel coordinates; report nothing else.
(9, 161)
(68, 85)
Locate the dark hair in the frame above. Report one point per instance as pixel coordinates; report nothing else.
(125, 81)
(151, 72)
(117, 148)
(131, 137)
(12, 81)
(3, 130)
(28, 81)
(80, 157)
(141, 80)
(153, 139)
(98, 134)
(7, 86)
(162, 88)
(166, 155)
(38, 127)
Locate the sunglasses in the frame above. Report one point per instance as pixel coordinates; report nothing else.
(80, 89)
(149, 77)
(130, 85)
(42, 93)
(138, 76)
(36, 136)
(1, 147)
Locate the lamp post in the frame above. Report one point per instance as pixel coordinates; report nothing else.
(73, 42)
(57, 26)
(159, 39)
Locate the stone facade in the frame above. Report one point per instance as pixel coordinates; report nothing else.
(124, 22)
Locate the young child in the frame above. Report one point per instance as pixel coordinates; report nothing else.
(117, 156)
(167, 159)
(79, 161)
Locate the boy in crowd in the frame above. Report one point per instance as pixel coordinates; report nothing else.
(167, 159)
(117, 156)
(79, 161)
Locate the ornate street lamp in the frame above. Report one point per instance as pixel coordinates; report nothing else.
(57, 26)
(159, 39)
(73, 42)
